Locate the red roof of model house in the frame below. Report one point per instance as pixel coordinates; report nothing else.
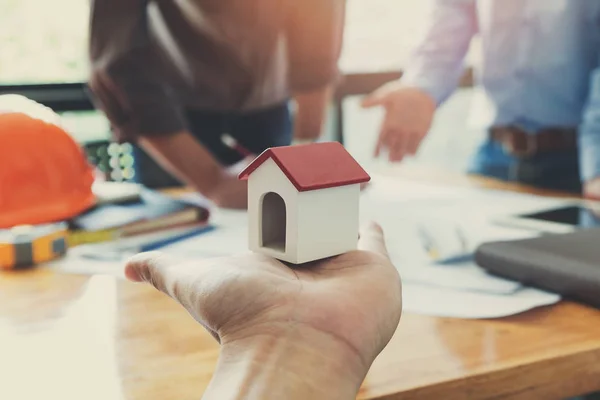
(313, 166)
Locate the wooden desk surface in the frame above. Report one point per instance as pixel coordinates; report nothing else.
(70, 337)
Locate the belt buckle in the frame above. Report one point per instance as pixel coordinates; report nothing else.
(519, 148)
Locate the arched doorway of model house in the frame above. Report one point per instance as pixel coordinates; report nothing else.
(273, 222)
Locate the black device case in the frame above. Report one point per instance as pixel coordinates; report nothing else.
(566, 264)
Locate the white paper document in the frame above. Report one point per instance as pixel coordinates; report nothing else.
(442, 302)
(456, 219)
(222, 242)
(463, 277)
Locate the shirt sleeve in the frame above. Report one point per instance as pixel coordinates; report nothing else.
(437, 64)
(589, 131)
(130, 93)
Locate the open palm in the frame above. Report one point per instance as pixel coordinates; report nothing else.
(354, 298)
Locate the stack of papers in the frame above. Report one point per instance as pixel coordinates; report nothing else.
(457, 289)
(403, 207)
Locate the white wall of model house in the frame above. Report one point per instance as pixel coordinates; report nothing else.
(300, 227)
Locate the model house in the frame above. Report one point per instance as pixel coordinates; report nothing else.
(303, 202)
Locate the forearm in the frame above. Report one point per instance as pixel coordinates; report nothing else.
(311, 112)
(275, 367)
(185, 158)
(123, 79)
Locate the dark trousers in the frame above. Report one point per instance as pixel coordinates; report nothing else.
(255, 131)
(554, 171)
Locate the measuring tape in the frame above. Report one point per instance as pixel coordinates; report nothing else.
(25, 246)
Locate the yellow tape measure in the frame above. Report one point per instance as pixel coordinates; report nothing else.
(25, 246)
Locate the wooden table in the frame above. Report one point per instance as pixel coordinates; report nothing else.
(71, 337)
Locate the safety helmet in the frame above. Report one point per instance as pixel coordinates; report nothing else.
(44, 174)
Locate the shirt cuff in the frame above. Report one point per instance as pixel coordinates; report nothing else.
(439, 91)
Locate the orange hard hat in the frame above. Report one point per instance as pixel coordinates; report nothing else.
(44, 174)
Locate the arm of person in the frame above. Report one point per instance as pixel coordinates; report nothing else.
(310, 113)
(589, 140)
(184, 157)
(432, 74)
(141, 107)
(314, 31)
(124, 78)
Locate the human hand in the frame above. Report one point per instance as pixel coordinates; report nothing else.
(183, 156)
(335, 315)
(409, 114)
(230, 192)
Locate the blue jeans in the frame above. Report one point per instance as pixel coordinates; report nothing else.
(553, 171)
(255, 131)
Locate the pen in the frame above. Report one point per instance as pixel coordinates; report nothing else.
(235, 145)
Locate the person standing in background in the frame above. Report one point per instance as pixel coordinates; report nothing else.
(201, 84)
(539, 89)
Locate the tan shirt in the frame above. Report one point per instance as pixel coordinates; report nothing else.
(152, 59)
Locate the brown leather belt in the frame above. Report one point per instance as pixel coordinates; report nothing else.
(521, 143)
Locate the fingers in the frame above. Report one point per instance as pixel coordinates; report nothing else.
(184, 282)
(413, 144)
(168, 275)
(397, 146)
(371, 239)
(396, 142)
(379, 146)
(399, 143)
(389, 138)
(231, 193)
(150, 268)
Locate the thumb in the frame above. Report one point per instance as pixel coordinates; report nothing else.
(377, 98)
(371, 239)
